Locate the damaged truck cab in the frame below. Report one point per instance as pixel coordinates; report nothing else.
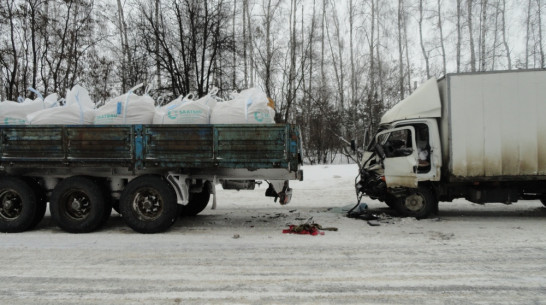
(478, 136)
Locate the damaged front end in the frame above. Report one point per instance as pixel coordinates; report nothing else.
(370, 182)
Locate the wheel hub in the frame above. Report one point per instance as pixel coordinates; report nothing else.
(7, 205)
(148, 204)
(414, 202)
(77, 204)
(11, 206)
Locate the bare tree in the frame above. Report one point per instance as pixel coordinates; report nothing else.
(527, 33)
(459, 34)
(293, 69)
(483, 35)
(270, 9)
(127, 56)
(539, 25)
(504, 40)
(442, 43)
(400, 48)
(422, 43)
(495, 36)
(250, 45)
(11, 67)
(245, 43)
(471, 35)
(337, 58)
(234, 53)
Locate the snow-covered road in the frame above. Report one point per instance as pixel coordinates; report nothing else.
(237, 254)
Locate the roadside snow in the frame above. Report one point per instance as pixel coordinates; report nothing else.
(236, 254)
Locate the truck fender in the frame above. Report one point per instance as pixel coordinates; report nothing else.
(178, 182)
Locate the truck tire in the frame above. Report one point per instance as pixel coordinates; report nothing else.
(148, 204)
(390, 201)
(420, 204)
(198, 202)
(18, 208)
(78, 205)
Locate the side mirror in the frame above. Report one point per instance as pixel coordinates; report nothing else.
(353, 145)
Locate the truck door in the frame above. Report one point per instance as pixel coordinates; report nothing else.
(401, 156)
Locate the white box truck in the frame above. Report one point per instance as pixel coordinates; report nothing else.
(478, 136)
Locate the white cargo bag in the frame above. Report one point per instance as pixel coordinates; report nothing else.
(186, 111)
(13, 113)
(126, 109)
(248, 107)
(78, 110)
(79, 95)
(73, 114)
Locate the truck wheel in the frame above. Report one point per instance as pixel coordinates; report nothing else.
(198, 202)
(78, 205)
(419, 204)
(18, 206)
(148, 204)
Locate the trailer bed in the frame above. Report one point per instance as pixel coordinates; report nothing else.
(145, 147)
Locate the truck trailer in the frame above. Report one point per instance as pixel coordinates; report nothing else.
(151, 174)
(477, 136)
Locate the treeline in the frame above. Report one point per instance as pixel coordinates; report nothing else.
(332, 67)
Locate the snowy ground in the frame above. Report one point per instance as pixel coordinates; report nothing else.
(237, 254)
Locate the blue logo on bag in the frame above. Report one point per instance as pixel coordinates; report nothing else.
(260, 116)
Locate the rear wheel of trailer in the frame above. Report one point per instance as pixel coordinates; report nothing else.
(79, 205)
(19, 208)
(148, 204)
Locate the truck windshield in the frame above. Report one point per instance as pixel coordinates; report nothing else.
(396, 143)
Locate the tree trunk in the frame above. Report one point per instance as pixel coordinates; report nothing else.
(483, 35)
(471, 37)
(372, 47)
(505, 42)
(495, 37)
(234, 51)
(459, 35)
(290, 96)
(425, 55)
(245, 43)
(528, 33)
(406, 46)
(400, 51)
(539, 13)
(442, 44)
(157, 62)
(251, 46)
(354, 88)
(322, 71)
(12, 90)
(126, 61)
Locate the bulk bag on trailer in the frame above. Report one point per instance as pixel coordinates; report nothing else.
(186, 111)
(126, 109)
(248, 107)
(13, 113)
(77, 110)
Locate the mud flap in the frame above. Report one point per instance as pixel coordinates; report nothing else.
(284, 196)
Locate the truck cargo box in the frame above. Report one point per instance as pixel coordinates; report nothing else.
(493, 125)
